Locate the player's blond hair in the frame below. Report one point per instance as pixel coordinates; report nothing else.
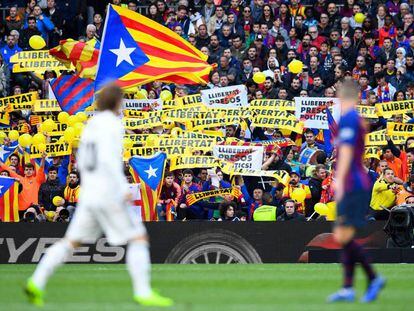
(109, 98)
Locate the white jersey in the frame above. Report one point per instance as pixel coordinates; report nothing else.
(100, 160)
(102, 207)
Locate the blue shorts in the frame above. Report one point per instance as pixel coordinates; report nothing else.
(353, 209)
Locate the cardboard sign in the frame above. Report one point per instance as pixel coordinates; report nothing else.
(243, 157)
(225, 97)
(312, 110)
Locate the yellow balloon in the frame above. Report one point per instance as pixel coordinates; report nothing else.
(37, 42)
(25, 140)
(82, 117)
(69, 134)
(63, 117)
(48, 125)
(141, 94)
(166, 95)
(75, 143)
(331, 214)
(50, 215)
(359, 18)
(168, 124)
(72, 120)
(144, 92)
(78, 128)
(298, 195)
(2, 137)
(295, 66)
(41, 147)
(151, 140)
(57, 201)
(259, 77)
(321, 209)
(128, 143)
(14, 135)
(39, 138)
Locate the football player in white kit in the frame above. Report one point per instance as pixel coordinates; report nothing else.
(103, 206)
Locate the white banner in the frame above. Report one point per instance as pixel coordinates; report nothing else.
(243, 157)
(140, 104)
(225, 97)
(312, 110)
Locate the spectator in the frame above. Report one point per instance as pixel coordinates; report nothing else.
(315, 186)
(28, 32)
(227, 212)
(9, 49)
(13, 21)
(71, 192)
(4, 77)
(50, 189)
(384, 195)
(216, 21)
(31, 181)
(290, 212)
(43, 23)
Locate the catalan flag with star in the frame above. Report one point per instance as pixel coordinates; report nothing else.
(9, 199)
(136, 50)
(149, 173)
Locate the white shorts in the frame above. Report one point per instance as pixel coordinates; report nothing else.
(117, 223)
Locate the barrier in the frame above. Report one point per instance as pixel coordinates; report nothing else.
(190, 242)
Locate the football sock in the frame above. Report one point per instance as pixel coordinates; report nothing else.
(361, 256)
(54, 257)
(138, 263)
(348, 263)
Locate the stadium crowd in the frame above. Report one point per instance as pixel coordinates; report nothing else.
(242, 37)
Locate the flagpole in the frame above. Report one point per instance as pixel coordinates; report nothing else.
(102, 44)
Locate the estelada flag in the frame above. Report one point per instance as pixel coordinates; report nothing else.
(149, 173)
(136, 50)
(9, 199)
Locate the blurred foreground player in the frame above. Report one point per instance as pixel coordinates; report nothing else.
(103, 206)
(352, 197)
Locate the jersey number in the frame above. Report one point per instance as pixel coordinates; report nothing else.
(91, 157)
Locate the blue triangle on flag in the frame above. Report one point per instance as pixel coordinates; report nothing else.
(150, 170)
(5, 184)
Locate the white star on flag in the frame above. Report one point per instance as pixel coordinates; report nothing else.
(2, 153)
(123, 53)
(1, 187)
(151, 172)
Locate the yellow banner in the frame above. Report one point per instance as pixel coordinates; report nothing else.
(52, 150)
(373, 152)
(46, 105)
(183, 162)
(405, 129)
(289, 123)
(31, 55)
(201, 135)
(178, 115)
(377, 138)
(209, 123)
(198, 196)
(204, 144)
(169, 104)
(4, 118)
(189, 100)
(135, 124)
(241, 112)
(16, 100)
(149, 151)
(397, 107)
(282, 176)
(367, 112)
(279, 104)
(38, 65)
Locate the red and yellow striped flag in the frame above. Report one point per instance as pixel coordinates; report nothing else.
(136, 50)
(82, 55)
(9, 200)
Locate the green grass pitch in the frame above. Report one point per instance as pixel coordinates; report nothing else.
(207, 287)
